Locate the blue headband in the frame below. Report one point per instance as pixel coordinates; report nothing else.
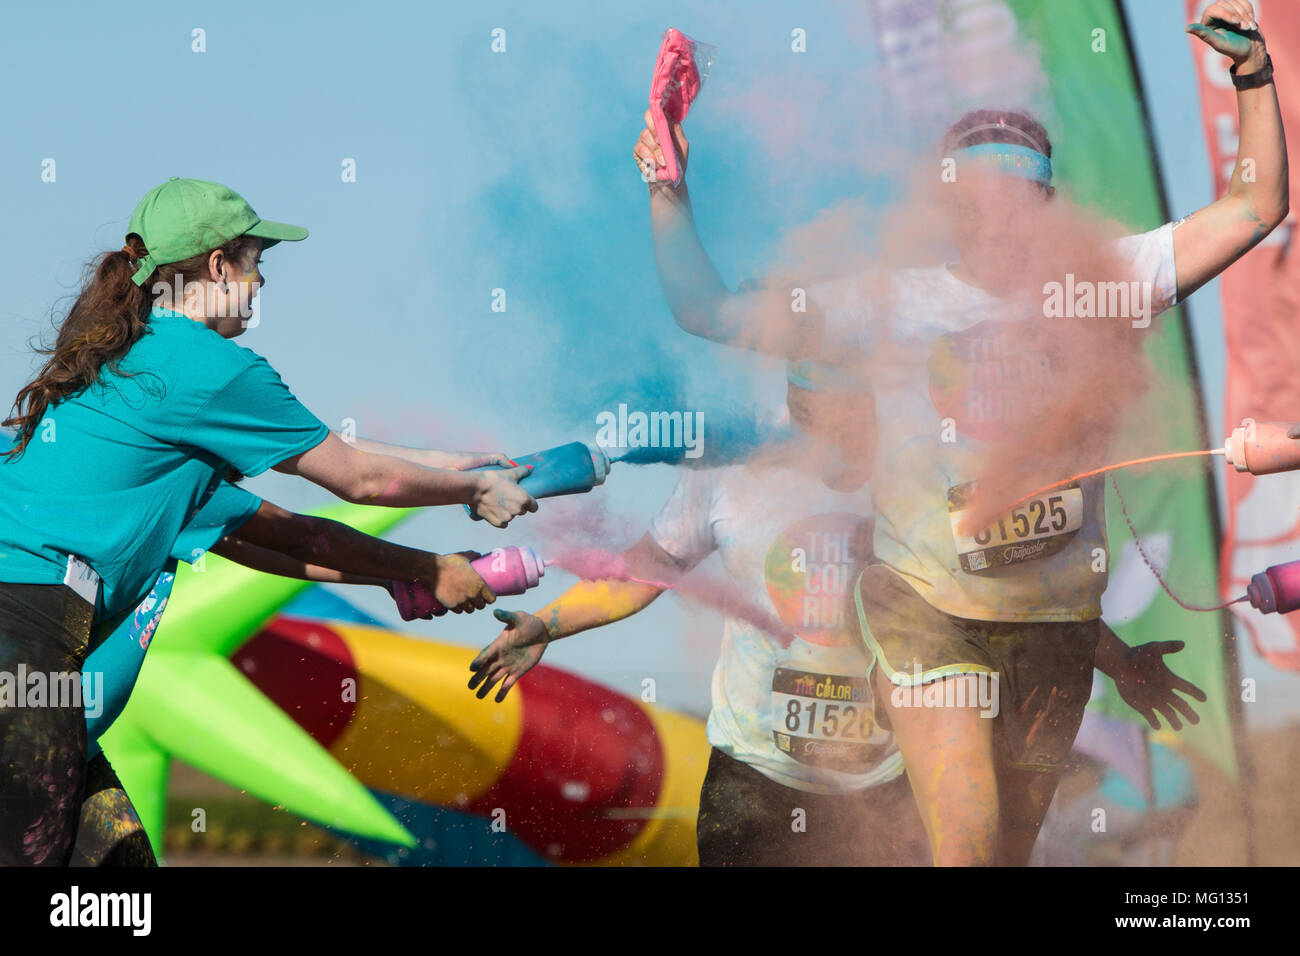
(1018, 161)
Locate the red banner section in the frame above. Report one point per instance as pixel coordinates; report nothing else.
(1261, 324)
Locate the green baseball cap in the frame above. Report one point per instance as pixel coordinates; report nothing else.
(184, 217)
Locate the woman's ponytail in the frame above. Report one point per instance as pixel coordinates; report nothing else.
(110, 315)
(107, 318)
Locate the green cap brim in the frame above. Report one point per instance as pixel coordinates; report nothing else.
(272, 232)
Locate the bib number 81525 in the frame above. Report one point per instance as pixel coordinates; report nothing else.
(1034, 529)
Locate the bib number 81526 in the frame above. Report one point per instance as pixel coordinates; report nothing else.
(825, 720)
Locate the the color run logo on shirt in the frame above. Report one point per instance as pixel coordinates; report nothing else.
(990, 379)
(810, 571)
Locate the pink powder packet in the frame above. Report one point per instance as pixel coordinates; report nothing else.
(680, 72)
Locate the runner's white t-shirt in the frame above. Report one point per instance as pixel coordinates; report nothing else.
(1040, 565)
(801, 714)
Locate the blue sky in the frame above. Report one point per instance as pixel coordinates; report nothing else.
(475, 171)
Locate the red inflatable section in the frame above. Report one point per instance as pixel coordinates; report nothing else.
(586, 774)
(301, 665)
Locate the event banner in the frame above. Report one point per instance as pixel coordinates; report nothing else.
(1261, 293)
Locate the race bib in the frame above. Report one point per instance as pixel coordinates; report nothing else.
(83, 580)
(1036, 528)
(825, 720)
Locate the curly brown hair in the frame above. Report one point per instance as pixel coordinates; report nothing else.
(110, 314)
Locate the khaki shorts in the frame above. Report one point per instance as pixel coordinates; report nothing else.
(1039, 675)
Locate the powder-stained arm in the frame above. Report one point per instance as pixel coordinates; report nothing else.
(759, 319)
(320, 549)
(587, 605)
(1257, 199)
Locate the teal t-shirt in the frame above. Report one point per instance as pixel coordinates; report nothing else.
(111, 669)
(115, 472)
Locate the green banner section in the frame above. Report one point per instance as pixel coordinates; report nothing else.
(1103, 158)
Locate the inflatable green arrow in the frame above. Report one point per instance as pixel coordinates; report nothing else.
(190, 702)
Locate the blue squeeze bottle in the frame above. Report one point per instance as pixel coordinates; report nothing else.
(571, 469)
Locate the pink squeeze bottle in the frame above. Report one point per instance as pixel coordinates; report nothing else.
(1262, 448)
(1276, 589)
(511, 570)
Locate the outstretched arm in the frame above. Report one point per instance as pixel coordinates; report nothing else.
(757, 319)
(369, 479)
(319, 549)
(432, 458)
(267, 561)
(586, 605)
(1257, 199)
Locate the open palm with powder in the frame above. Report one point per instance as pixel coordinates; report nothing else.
(512, 655)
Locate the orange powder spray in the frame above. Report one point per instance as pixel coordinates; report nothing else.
(1129, 521)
